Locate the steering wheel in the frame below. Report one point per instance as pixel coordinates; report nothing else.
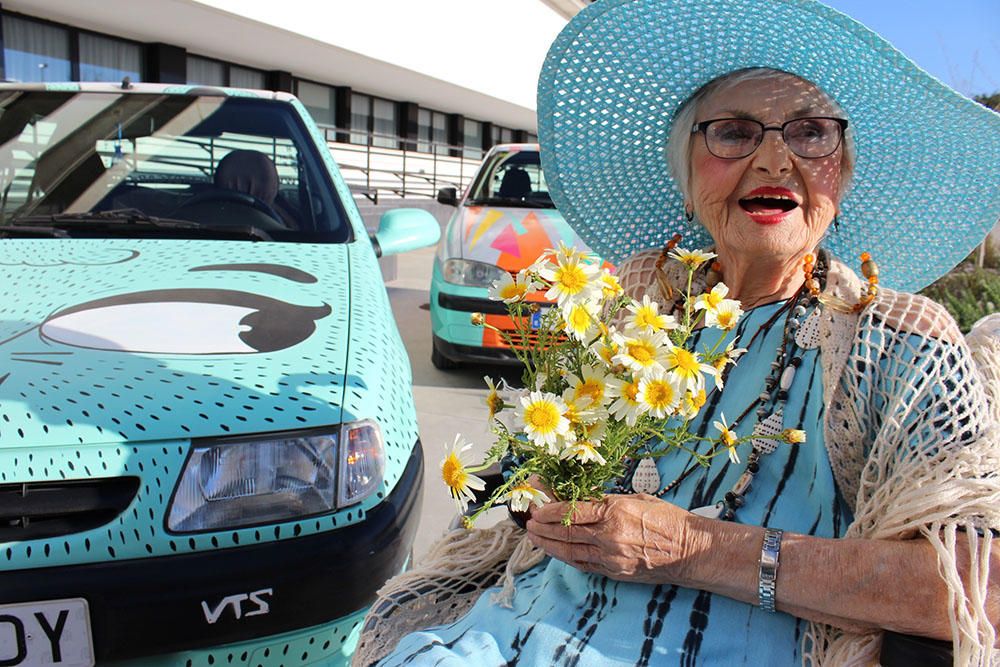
(220, 197)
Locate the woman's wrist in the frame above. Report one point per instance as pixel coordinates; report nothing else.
(729, 561)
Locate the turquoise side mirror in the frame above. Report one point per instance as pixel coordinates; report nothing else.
(405, 229)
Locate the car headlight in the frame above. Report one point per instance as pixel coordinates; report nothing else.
(231, 483)
(471, 274)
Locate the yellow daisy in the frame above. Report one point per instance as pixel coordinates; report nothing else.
(543, 416)
(728, 439)
(692, 403)
(711, 300)
(494, 401)
(571, 281)
(584, 452)
(580, 320)
(456, 476)
(659, 394)
(511, 289)
(646, 317)
(626, 406)
(522, 496)
(686, 368)
(591, 388)
(691, 258)
(642, 353)
(793, 436)
(725, 315)
(610, 285)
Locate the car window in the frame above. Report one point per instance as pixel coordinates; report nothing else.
(511, 178)
(207, 161)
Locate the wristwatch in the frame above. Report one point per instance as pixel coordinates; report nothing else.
(768, 568)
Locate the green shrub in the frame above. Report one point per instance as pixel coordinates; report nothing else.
(967, 294)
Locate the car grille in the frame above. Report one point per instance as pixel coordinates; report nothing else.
(49, 509)
(518, 339)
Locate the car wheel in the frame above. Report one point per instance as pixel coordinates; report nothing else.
(441, 362)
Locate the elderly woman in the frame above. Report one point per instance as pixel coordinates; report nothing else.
(883, 519)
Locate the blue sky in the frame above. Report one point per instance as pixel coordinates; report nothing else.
(958, 41)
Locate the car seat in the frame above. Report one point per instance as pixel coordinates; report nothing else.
(516, 184)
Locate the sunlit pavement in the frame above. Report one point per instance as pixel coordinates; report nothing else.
(447, 402)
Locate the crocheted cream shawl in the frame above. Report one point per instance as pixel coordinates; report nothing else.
(916, 457)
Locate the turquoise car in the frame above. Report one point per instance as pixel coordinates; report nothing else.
(208, 445)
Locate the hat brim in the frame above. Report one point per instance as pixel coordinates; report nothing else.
(925, 187)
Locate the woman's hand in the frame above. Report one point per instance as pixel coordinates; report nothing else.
(629, 538)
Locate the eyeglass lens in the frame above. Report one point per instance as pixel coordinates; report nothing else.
(806, 137)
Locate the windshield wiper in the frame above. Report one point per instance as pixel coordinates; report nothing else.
(124, 221)
(515, 202)
(121, 216)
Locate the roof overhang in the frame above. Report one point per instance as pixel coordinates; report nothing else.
(211, 32)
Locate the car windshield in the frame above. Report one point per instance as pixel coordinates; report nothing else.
(511, 178)
(183, 165)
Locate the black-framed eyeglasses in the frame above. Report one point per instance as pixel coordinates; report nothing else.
(735, 138)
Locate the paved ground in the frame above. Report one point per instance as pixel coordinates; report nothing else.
(447, 402)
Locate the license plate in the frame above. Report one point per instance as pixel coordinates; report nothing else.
(40, 634)
(536, 319)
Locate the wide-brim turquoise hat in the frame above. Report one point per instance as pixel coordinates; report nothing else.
(926, 186)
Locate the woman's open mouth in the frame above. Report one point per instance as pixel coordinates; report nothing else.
(769, 206)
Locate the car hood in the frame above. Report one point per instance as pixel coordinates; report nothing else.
(122, 340)
(511, 238)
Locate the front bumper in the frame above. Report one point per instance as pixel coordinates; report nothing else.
(152, 606)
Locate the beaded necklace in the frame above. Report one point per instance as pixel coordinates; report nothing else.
(801, 331)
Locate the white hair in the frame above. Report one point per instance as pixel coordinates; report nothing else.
(679, 142)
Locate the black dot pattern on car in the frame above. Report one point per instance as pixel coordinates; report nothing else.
(78, 401)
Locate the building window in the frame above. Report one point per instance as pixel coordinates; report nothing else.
(109, 59)
(244, 77)
(473, 140)
(320, 101)
(35, 51)
(360, 118)
(501, 135)
(385, 130)
(205, 72)
(530, 138)
(432, 132)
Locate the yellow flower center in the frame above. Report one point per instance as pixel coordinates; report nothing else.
(659, 394)
(571, 278)
(630, 391)
(645, 317)
(728, 438)
(513, 291)
(579, 319)
(592, 389)
(713, 299)
(543, 417)
(641, 352)
(685, 361)
(494, 403)
(726, 320)
(453, 472)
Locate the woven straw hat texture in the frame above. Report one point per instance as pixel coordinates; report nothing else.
(926, 187)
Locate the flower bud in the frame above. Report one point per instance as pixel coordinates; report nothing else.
(477, 319)
(793, 436)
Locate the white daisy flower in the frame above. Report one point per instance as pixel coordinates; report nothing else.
(582, 451)
(571, 281)
(626, 405)
(522, 496)
(691, 258)
(646, 317)
(687, 368)
(711, 300)
(456, 476)
(725, 315)
(511, 289)
(659, 393)
(728, 439)
(642, 353)
(543, 418)
(581, 320)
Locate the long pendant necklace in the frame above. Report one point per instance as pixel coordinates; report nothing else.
(801, 331)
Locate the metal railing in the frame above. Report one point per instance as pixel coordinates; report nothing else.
(389, 165)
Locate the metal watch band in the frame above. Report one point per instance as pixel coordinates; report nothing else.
(768, 568)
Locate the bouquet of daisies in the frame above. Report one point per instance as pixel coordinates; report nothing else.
(608, 381)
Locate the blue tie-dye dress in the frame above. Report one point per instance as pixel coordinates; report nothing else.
(562, 616)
